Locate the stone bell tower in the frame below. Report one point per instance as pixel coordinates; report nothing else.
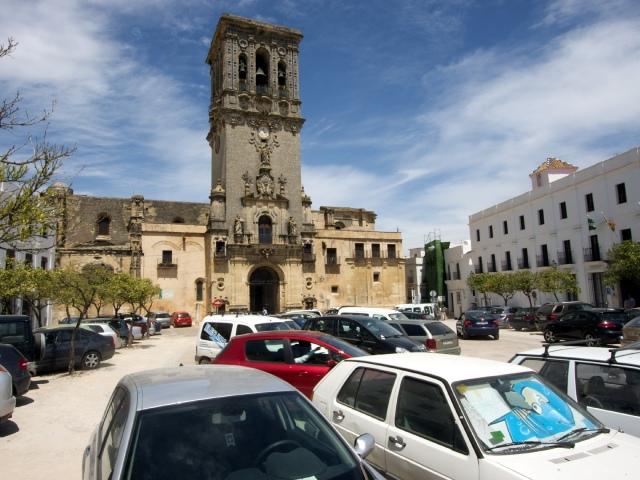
(259, 217)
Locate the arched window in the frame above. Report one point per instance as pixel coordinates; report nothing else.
(282, 74)
(265, 228)
(103, 225)
(199, 290)
(262, 71)
(242, 71)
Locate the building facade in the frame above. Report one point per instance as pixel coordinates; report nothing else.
(413, 276)
(256, 244)
(569, 220)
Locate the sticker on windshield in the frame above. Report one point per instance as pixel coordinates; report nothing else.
(214, 336)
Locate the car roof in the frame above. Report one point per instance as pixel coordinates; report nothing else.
(248, 319)
(627, 356)
(414, 321)
(170, 386)
(357, 318)
(280, 334)
(368, 310)
(451, 368)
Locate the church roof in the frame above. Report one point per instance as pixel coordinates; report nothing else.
(553, 163)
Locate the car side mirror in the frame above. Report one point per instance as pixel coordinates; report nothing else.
(364, 444)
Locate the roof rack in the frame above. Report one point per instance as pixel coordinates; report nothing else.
(569, 343)
(614, 351)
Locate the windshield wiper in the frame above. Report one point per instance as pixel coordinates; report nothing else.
(581, 430)
(534, 443)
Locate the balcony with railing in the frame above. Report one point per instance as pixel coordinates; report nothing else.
(506, 266)
(332, 265)
(308, 257)
(478, 269)
(592, 255)
(542, 261)
(492, 268)
(523, 263)
(565, 258)
(167, 269)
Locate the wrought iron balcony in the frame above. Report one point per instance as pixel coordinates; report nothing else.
(523, 263)
(592, 255)
(565, 258)
(542, 261)
(506, 266)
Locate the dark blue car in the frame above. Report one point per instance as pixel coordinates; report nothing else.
(475, 323)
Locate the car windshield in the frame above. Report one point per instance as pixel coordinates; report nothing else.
(266, 327)
(397, 316)
(519, 411)
(343, 346)
(478, 315)
(381, 329)
(265, 436)
(292, 325)
(162, 315)
(437, 328)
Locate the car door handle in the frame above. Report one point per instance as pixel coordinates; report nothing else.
(397, 442)
(338, 416)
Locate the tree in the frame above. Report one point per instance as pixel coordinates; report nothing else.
(116, 290)
(480, 283)
(555, 281)
(526, 282)
(33, 285)
(77, 289)
(624, 263)
(142, 294)
(8, 289)
(26, 169)
(501, 284)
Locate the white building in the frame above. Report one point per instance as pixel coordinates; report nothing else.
(569, 219)
(459, 265)
(413, 275)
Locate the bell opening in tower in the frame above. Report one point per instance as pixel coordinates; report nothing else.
(262, 71)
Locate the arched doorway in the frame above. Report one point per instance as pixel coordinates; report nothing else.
(263, 290)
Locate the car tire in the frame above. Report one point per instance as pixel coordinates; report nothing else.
(496, 336)
(549, 336)
(591, 340)
(91, 360)
(204, 361)
(465, 335)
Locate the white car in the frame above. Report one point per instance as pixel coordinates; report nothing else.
(605, 381)
(449, 417)
(7, 400)
(104, 330)
(216, 330)
(375, 312)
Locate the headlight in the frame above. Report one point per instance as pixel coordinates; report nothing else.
(401, 350)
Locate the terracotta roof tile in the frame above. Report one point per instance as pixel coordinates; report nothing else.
(553, 163)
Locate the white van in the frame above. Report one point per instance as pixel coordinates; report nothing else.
(428, 308)
(216, 330)
(380, 313)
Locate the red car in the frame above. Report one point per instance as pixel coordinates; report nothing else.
(299, 357)
(181, 319)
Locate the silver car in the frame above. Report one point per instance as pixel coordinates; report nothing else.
(163, 318)
(433, 334)
(217, 422)
(7, 400)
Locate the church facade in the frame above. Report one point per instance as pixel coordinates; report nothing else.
(257, 244)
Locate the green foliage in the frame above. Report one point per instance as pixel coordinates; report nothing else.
(557, 281)
(26, 169)
(142, 294)
(624, 263)
(526, 282)
(481, 283)
(501, 284)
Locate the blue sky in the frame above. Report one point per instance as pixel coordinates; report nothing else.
(422, 111)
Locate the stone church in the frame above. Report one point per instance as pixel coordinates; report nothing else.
(257, 243)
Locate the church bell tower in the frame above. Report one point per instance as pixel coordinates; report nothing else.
(260, 219)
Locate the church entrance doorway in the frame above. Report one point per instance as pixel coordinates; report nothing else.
(263, 290)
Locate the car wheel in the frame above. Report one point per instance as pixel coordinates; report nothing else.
(591, 340)
(549, 336)
(496, 336)
(204, 361)
(465, 335)
(90, 360)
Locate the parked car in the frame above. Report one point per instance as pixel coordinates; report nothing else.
(416, 315)
(454, 417)
(180, 319)
(504, 314)
(223, 422)
(429, 309)
(374, 312)
(434, 335)
(598, 326)
(16, 364)
(370, 334)
(604, 381)
(217, 330)
(301, 358)
(631, 332)
(477, 323)
(7, 400)
(68, 320)
(524, 318)
(90, 348)
(121, 327)
(163, 318)
(106, 330)
(16, 330)
(550, 312)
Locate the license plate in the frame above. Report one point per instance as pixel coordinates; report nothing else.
(481, 323)
(447, 342)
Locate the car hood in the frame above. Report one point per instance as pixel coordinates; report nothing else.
(612, 455)
(404, 342)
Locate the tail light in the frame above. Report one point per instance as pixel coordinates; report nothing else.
(552, 317)
(495, 322)
(22, 364)
(467, 323)
(609, 325)
(113, 342)
(430, 343)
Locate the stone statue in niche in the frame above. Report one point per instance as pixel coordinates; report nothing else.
(238, 225)
(264, 185)
(265, 161)
(247, 183)
(292, 227)
(282, 181)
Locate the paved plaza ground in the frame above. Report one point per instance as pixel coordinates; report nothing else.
(51, 425)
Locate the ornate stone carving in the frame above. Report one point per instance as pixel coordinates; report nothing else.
(292, 227)
(267, 252)
(238, 225)
(265, 185)
(234, 119)
(247, 183)
(282, 181)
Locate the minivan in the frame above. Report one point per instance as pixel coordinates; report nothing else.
(216, 330)
(16, 330)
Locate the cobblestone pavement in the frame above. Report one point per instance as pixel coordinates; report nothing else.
(52, 424)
